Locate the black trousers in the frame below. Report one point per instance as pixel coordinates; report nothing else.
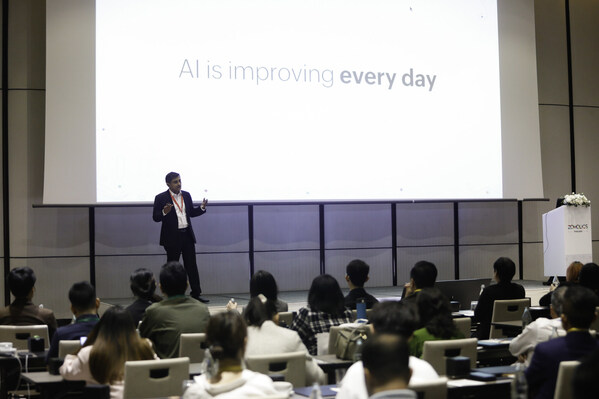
(186, 246)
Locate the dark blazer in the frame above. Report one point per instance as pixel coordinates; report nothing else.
(544, 366)
(168, 231)
(484, 309)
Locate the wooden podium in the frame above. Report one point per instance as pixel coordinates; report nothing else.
(566, 238)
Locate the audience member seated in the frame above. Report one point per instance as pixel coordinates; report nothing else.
(540, 330)
(422, 275)
(22, 312)
(84, 306)
(226, 337)
(386, 369)
(262, 282)
(356, 274)
(111, 343)
(143, 286)
(572, 275)
(435, 316)
(504, 269)
(589, 277)
(398, 318)
(584, 380)
(325, 309)
(164, 321)
(578, 312)
(265, 337)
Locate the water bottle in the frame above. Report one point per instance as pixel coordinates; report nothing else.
(315, 394)
(358, 351)
(520, 385)
(555, 282)
(482, 288)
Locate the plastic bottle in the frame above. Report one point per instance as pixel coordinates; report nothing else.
(358, 351)
(520, 386)
(482, 288)
(555, 282)
(316, 393)
(526, 317)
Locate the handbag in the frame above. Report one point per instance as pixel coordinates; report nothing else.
(349, 340)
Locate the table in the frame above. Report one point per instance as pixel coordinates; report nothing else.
(494, 352)
(330, 363)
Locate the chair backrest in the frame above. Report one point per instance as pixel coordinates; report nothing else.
(507, 310)
(433, 389)
(155, 378)
(437, 352)
(322, 343)
(563, 387)
(286, 317)
(68, 347)
(190, 345)
(463, 324)
(18, 335)
(333, 333)
(103, 308)
(291, 365)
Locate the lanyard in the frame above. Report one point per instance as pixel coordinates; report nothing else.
(176, 203)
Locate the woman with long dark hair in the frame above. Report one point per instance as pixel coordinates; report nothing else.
(143, 286)
(111, 343)
(435, 315)
(325, 309)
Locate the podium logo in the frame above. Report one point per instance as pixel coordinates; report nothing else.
(578, 226)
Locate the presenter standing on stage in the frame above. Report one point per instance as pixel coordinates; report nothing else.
(174, 208)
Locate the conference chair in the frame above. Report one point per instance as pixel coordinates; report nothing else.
(68, 347)
(155, 378)
(507, 312)
(563, 387)
(286, 318)
(18, 335)
(433, 389)
(437, 352)
(291, 365)
(103, 308)
(463, 324)
(190, 345)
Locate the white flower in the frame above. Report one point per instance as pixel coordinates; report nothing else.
(575, 199)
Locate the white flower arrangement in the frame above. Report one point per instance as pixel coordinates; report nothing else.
(575, 199)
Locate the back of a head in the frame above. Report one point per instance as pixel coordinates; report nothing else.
(262, 282)
(424, 274)
(114, 324)
(143, 284)
(573, 272)
(589, 276)
(225, 335)
(557, 299)
(394, 317)
(579, 306)
(386, 357)
(584, 380)
(505, 268)
(173, 279)
(325, 295)
(357, 270)
(20, 281)
(82, 296)
(435, 313)
(258, 310)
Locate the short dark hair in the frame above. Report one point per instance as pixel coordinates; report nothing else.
(579, 306)
(173, 278)
(505, 268)
(357, 270)
(20, 281)
(262, 282)
(386, 356)
(170, 176)
(435, 313)
(143, 284)
(394, 317)
(424, 274)
(589, 276)
(325, 295)
(82, 296)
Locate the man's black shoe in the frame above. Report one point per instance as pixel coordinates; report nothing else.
(203, 300)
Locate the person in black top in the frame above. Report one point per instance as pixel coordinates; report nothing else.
(505, 269)
(356, 274)
(143, 286)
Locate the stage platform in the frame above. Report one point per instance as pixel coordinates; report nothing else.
(297, 299)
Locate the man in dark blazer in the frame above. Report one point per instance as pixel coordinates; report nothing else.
(578, 312)
(176, 233)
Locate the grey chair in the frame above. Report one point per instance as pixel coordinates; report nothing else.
(433, 389)
(506, 312)
(437, 352)
(291, 365)
(19, 335)
(463, 324)
(68, 347)
(190, 345)
(563, 387)
(155, 378)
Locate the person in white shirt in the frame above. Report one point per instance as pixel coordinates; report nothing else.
(540, 330)
(399, 318)
(265, 337)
